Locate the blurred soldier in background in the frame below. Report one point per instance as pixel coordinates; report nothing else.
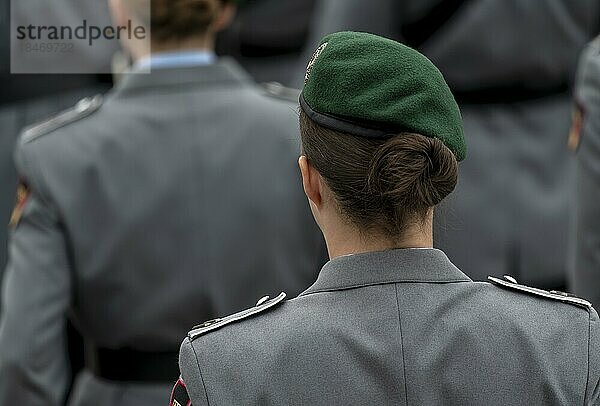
(585, 139)
(176, 197)
(26, 99)
(510, 64)
(268, 37)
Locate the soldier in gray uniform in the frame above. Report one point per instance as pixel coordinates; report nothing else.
(175, 195)
(585, 139)
(390, 320)
(510, 64)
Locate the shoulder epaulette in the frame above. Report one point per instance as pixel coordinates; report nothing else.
(84, 108)
(277, 90)
(262, 305)
(510, 283)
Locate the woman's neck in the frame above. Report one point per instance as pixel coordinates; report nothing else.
(346, 242)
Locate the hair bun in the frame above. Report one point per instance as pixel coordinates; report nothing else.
(381, 185)
(413, 172)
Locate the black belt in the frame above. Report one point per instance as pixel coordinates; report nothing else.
(127, 365)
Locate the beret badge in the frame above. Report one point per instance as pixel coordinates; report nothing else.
(313, 59)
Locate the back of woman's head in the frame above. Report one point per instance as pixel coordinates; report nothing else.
(176, 20)
(381, 185)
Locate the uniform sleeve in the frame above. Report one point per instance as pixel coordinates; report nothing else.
(191, 374)
(36, 295)
(585, 272)
(592, 395)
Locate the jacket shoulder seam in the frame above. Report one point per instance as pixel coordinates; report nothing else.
(200, 372)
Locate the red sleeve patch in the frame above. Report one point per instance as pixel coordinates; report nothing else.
(179, 395)
(23, 193)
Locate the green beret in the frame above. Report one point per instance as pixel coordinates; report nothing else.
(374, 87)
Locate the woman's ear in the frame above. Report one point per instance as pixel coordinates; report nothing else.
(311, 182)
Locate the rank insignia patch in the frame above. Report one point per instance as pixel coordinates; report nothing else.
(179, 395)
(22, 196)
(576, 128)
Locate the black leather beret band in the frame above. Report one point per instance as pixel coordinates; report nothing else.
(344, 125)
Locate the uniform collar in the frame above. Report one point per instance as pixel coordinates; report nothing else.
(224, 72)
(179, 59)
(393, 266)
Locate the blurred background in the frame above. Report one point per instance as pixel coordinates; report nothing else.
(510, 63)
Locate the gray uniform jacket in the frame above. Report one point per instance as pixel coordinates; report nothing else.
(402, 327)
(178, 197)
(585, 267)
(510, 64)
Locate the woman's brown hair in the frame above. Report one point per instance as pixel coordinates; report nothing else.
(176, 20)
(381, 185)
